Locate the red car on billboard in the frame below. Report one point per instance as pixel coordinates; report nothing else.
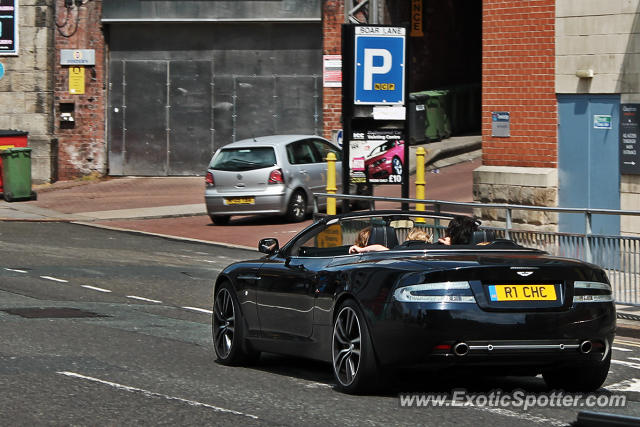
(386, 159)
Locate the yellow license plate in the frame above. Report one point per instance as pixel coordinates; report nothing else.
(240, 200)
(522, 292)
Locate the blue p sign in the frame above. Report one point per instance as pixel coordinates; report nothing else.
(379, 65)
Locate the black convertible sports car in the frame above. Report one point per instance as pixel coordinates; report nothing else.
(491, 304)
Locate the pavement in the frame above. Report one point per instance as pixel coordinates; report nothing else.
(173, 207)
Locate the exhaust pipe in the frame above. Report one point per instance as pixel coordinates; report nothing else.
(586, 347)
(461, 349)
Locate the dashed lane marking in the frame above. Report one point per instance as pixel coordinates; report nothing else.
(15, 270)
(620, 349)
(94, 288)
(148, 393)
(144, 299)
(201, 310)
(54, 279)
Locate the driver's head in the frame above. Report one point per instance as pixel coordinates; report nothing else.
(460, 229)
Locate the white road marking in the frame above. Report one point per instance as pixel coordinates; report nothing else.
(95, 288)
(154, 394)
(201, 310)
(631, 343)
(621, 349)
(144, 299)
(632, 384)
(54, 279)
(624, 363)
(15, 270)
(634, 358)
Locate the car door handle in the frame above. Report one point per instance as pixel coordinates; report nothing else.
(303, 171)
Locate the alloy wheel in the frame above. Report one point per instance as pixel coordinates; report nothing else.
(223, 323)
(347, 339)
(298, 205)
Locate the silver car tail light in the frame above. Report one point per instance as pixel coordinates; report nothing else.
(439, 292)
(585, 291)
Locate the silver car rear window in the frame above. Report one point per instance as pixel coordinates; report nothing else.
(243, 159)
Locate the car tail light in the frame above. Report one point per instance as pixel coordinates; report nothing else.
(441, 292)
(592, 292)
(276, 177)
(208, 179)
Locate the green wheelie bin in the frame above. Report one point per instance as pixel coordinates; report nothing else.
(16, 174)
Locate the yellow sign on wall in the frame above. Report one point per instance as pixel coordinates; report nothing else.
(416, 18)
(76, 80)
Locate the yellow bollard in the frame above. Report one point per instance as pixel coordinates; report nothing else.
(331, 183)
(420, 182)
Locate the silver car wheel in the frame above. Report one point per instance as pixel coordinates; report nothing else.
(223, 323)
(347, 339)
(297, 207)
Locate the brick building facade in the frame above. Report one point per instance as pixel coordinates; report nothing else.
(81, 145)
(332, 20)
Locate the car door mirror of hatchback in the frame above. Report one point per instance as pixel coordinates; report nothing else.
(268, 246)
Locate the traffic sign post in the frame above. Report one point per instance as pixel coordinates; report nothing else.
(374, 91)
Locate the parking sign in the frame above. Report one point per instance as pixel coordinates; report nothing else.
(379, 65)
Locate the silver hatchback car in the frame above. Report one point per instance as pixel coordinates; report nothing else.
(275, 175)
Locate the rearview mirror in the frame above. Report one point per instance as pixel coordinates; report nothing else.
(268, 246)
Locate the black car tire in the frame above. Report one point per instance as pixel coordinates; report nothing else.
(353, 359)
(579, 377)
(227, 329)
(220, 219)
(297, 207)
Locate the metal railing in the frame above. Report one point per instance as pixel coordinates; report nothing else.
(618, 255)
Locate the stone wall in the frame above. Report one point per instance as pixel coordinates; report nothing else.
(602, 36)
(518, 186)
(27, 86)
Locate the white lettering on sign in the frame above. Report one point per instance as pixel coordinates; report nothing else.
(383, 31)
(370, 69)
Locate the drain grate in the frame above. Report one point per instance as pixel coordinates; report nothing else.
(51, 313)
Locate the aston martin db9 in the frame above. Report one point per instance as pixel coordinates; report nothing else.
(491, 304)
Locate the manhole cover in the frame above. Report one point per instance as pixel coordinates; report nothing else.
(51, 312)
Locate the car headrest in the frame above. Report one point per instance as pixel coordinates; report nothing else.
(482, 236)
(383, 235)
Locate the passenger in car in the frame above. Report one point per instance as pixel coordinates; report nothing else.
(460, 230)
(361, 243)
(417, 237)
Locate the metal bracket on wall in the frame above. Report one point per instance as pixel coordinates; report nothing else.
(361, 11)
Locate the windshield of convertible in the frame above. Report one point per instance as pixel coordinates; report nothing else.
(243, 159)
(356, 235)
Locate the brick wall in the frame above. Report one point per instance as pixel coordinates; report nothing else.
(81, 148)
(332, 20)
(518, 76)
